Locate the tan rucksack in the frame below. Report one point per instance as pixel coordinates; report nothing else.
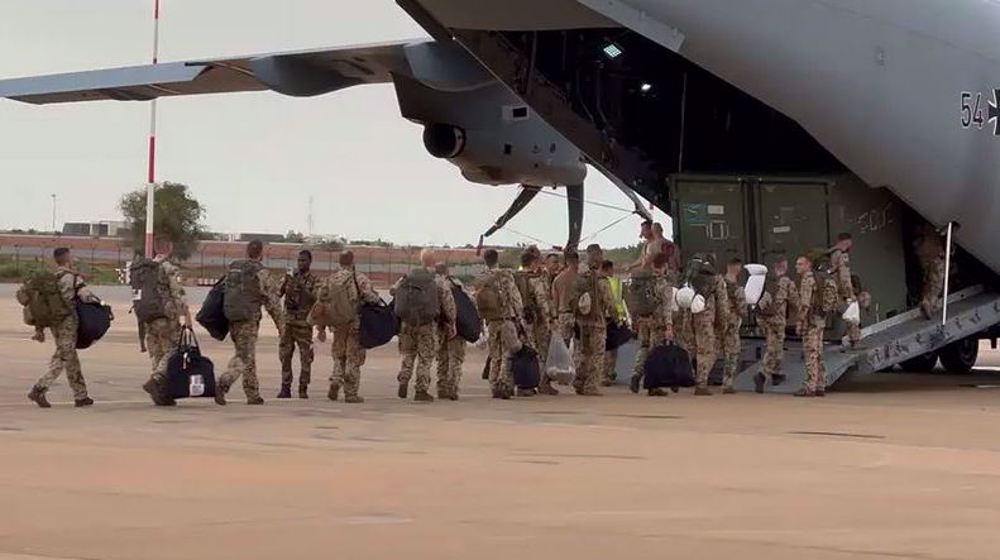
(488, 297)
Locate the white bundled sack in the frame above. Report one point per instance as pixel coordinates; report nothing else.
(853, 313)
(755, 284)
(559, 363)
(698, 304)
(684, 297)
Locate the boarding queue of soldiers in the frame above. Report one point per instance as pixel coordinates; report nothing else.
(568, 297)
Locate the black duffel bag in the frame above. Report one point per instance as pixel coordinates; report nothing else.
(468, 323)
(94, 321)
(189, 374)
(378, 324)
(668, 366)
(212, 315)
(618, 335)
(525, 368)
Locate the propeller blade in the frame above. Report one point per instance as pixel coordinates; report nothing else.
(574, 202)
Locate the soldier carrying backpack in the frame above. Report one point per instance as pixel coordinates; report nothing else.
(818, 298)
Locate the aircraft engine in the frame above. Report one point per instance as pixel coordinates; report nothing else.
(444, 141)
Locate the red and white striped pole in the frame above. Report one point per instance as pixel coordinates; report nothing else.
(151, 172)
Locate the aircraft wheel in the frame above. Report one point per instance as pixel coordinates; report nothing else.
(960, 357)
(921, 364)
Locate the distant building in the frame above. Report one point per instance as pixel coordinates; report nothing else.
(106, 228)
(264, 237)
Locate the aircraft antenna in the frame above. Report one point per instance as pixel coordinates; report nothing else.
(151, 170)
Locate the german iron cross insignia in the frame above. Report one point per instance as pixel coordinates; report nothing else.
(977, 114)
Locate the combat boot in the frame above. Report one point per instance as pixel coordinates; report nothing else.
(702, 392)
(286, 392)
(423, 396)
(759, 381)
(303, 391)
(805, 393)
(728, 391)
(820, 392)
(353, 399)
(607, 383)
(37, 395)
(591, 393)
(255, 401)
(659, 392)
(546, 388)
(402, 391)
(220, 394)
(778, 379)
(155, 390)
(84, 402)
(634, 383)
(334, 392)
(524, 392)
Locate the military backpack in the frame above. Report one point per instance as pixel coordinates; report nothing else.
(824, 296)
(417, 301)
(42, 299)
(243, 296)
(150, 289)
(523, 281)
(700, 275)
(342, 300)
(643, 297)
(488, 297)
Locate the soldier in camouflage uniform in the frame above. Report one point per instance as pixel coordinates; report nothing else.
(418, 343)
(348, 355)
(255, 287)
(594, 306)
(731, 343)
(931, 254)
(535, 298)
(500, 305)
(705, 327)
(163, 334)
(811, 326)
(451, 349)
(65, 358)
(299, 291)
(840, 268)
(780, 300)
(656, 329)
(562, 287)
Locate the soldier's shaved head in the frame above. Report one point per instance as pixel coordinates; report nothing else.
(427, 257)
(491, 257)
(346, 259)
(255, 249)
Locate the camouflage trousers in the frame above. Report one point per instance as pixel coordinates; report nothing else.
(610, 374)
(812, 350)
(931, 298)
(417, 344)
(244, 361)
(703, 326)
(301, 335)
(731, 345)
(540, 335)
(348, 357)
(450, 357)
(162, 337)
(684, 331)
(650, 333)
(503, 343)
(774, 349)
(65, 359)
(591, 366)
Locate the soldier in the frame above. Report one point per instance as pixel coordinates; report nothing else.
(731, 344)
(668, 248)
(348, 356)
(535, 297)
(652, 316)
(562, 286)
(450, 349)
(64, 331)
(423, 300)
(593, 304)
(931, 254)
(813, 298)
(648, 248)
(706, 324)
(500, 305)
(780, 300)
(248, 286)
(609, 375)
(299, 291)
(162, 332)
(840, 268)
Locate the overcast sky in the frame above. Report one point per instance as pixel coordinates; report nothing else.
(253, 159)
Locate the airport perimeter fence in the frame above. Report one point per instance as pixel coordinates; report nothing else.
(104, 260)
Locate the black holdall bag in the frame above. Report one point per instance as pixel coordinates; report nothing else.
(468, 323)
(618, 335)
(525, 368)
(668, 365)
(212, 315)
(378, 325)
(94, 321)
(189, 374)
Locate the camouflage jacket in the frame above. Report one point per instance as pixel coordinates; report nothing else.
(840, 269)
(300, 291)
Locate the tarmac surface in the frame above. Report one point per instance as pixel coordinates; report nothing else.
(889, 466)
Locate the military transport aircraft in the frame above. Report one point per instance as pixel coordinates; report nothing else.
(469, 118)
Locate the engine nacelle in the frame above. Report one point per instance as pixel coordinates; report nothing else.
(444, 141)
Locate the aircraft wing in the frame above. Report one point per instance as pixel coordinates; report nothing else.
(300, 74)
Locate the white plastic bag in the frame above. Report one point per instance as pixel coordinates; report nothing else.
(754, 289)
(756, 269)
(853, 313)
(698, 304)
(559, 363)
(684, 297)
